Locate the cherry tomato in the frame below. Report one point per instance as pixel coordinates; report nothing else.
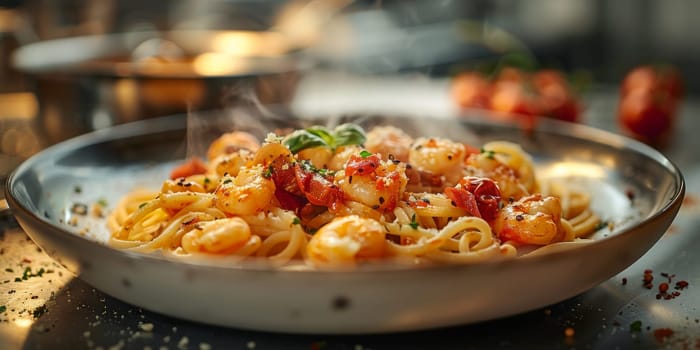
(471, 90)
(650, 96)
(513, 98)
(648, 77)
(512, 75)
(647, 114)
(556, 97)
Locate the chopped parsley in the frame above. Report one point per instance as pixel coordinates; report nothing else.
(3, 308)
(306, 165)
(268, 172)
(487, 153)
(142, 205)
(102, 202)
(77, 189)
(365, 154)
(414, 223)
(27, 274)
(228, 181)
(636, 326)
(296, 221)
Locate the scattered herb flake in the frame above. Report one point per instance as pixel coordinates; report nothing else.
(267, 173)
(365, 154)
(77, 189)
(296, 221)
(39, 311)
(414, 223)
(487, 153)
(142, 205)
(102, 202)
(3, 308)
(636, 326)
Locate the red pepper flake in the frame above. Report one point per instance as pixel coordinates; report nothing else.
(663, 287)
(680, 285)
(661, 334)
(648, 278)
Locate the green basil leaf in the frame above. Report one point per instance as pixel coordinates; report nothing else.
(349, 134)
(302, 139)
(323, 133)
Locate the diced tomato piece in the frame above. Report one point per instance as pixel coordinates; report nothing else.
(463, 199)
(193, 166)
(289, 201)
(318, 189)
(478, 195)
(362, 165)
(487, 194)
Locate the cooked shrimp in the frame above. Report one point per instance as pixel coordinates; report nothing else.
(318, 156)
(272, 151)
(438, 156)
(230, 163)
(345, 240)
(371, 181)
(217, 236)
(532, 220)
(325, 158)
(512, 155)
(245, 194)
(390, 142)
(231, 142)
(182, 184)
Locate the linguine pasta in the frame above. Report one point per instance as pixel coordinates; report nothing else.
(338, 198)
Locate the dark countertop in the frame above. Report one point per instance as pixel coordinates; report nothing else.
(42, 306)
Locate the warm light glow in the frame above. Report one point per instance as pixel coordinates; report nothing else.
(565, 169)
(303, 21)
(19, 105)
(23, 322)
(249, 44)
(211, 63)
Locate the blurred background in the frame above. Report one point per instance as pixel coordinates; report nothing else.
(70, 66)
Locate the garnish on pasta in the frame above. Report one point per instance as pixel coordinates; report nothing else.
(341, 198)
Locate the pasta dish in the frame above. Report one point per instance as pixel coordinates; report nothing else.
(336, 198)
